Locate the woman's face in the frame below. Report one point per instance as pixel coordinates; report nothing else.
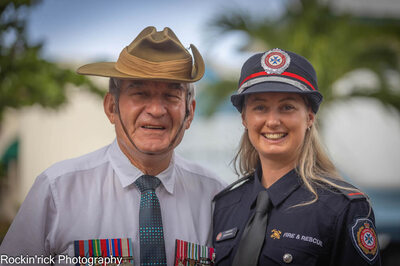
(277, 123)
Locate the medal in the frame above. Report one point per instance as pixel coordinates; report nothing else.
(193, 254)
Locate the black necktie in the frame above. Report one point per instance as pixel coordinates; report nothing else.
(254, 233)
(152, 247)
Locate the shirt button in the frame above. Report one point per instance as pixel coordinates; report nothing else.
(287, 258)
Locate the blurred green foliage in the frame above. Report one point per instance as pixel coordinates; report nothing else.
(25, 77)
(335, 43)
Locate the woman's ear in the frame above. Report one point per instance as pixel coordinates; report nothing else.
(244, 122)
(310, 118)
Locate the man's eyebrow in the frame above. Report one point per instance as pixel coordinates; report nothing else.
(176, 86)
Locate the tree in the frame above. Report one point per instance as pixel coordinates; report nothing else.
(335, 44)
(25, 77)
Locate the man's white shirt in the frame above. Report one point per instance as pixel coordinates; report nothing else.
(93, 197)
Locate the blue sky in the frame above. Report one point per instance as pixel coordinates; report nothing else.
(81, 30)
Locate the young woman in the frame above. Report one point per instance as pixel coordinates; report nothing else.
(291, 207)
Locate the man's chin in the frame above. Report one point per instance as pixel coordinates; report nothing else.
(155, 150)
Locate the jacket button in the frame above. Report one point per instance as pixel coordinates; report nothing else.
(287, 258)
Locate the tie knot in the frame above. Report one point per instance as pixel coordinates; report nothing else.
(147, 182)
(262, 201)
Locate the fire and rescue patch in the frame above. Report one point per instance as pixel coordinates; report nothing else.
(364, 239)
(276, 234)
(275, 61)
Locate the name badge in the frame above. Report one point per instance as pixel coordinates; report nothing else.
(228, 234)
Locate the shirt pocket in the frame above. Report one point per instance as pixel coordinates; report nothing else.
(223, 252)
(287, 256)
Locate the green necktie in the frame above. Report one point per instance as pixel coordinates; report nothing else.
(254, 233)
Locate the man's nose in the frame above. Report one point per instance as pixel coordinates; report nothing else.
(156, 107)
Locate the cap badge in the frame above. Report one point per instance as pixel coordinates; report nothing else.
(275, 61)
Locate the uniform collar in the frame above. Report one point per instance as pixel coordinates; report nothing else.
(280, 190)
(128, 173)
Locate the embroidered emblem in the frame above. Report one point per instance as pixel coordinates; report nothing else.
(218, 236)
(275, 61)
(187, 253)
(228, 234)
(276, 234)
(364, 238)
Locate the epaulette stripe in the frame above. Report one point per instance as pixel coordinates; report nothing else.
(239, 184)
(234, 185)
(355, 194)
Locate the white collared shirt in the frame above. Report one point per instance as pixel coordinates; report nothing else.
(93, 197)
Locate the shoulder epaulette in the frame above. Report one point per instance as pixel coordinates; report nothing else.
(351, 193)
(232, 186)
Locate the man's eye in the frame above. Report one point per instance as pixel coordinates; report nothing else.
(173, 96)
(137, 93)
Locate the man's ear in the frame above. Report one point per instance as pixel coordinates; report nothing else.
(190, 117)
(109, 107)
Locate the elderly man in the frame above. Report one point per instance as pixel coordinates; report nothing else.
(134, 199)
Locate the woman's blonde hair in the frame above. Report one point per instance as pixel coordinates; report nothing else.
(313, 166)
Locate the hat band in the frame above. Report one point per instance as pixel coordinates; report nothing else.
(252, 82)
(135, 66)
(288, 74)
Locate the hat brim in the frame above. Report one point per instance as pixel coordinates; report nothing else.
(107, 69)
(315, 97)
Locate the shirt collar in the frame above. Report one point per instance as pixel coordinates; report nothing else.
(280, 190)
(128, 173)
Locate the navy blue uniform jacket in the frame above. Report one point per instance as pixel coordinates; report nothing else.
(338, 229)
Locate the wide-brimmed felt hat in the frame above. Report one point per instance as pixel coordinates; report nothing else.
(277, 70)
(152, 55)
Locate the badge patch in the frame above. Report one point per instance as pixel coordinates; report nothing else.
(228, 234)
(364, 238)
(276, 234)
(275, 61)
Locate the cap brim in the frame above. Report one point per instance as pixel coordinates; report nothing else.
(314, 96)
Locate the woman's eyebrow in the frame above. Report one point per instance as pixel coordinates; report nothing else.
(289, 98)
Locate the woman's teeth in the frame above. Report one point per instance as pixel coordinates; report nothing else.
(275, 135)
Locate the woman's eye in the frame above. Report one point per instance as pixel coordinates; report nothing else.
(259, 107)
(288, 107)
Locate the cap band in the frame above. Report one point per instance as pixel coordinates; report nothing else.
(297, 84)
(252, 82)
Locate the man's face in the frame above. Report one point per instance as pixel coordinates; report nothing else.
(153, 114)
